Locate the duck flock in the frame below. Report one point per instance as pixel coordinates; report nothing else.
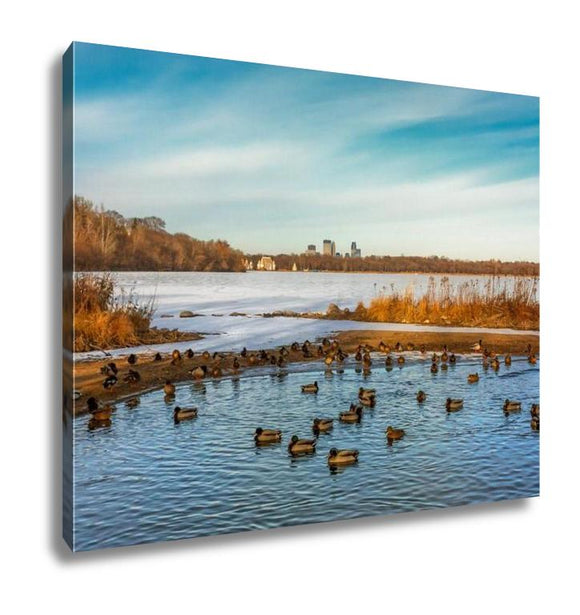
(331, 354)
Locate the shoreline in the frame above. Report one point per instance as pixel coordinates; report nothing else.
(88, 379)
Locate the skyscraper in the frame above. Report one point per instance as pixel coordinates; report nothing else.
(354, 251)
(327, 247)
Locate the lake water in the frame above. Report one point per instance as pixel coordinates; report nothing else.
(215, 296)
(146, 479)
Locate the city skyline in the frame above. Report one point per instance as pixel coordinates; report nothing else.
(259, 155)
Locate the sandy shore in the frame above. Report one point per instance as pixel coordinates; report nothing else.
(153, 374)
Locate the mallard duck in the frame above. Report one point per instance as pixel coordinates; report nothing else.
(508, 359)
(175, 357)
(394, 434)
(434, 358)
(367, 361)
(471, 378)
(535, 410)
(189, 353)
(398, 347)
(410, 346)
(434, 369)
(328, 360)
(109, 369)
(297, 446)
(532, 359)
(280, 362)
(495, 364)
(295, 347)
(99, 413)
(421, 396)
(199, 372)
(423, 349)
(478, 346)
(310, 388)
(511, 406)
(132, 377)
(382, 346)
(322, 425)
(444, 357)
(77, 395)
(444, 367)
(110, 382)
(452, 358)
(206, 356)
(236, 363)
(132, 359)
(351, 416)
(244, 352)
(369, 402)
(157, 357)
(183, 414)
(342, 457)
(132, 402)
(400, 359)
(389, 361)
(366, 393)
(535, 423)
(169, 388)
(452, 405)
(267, 436)
(320, 351)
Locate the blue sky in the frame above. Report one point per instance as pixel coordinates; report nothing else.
(273, 158)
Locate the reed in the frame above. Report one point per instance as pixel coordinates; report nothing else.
(497, 302)
(105, 319)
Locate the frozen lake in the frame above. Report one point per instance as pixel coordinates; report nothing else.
(215, 296)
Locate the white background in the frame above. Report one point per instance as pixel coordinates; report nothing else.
(519, 557)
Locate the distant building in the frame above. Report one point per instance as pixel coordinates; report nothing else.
(248, 264)
(294, 267)
(266, 263)
(346, 255)
(311, 249)
(354, 251)
(337, 255)
(328, 247)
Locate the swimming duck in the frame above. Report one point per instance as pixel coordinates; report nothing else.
(434, 357)
(267, 436)
(452, 358)
(358, 356)
(366, 393)
(189, 353)
(495, 364)
(310, 388)
(99, 413)
(199, 372)
(452, 405)
(183, 414)
(508, 359)
(206, 356)
(532, 359)
(444, 367)
(382, 346)
(236, 363)
(280, 362)
(132, 377)
(351, 416)
(511, 406)
(367, 361)
(342, 457)
(410, 346)
(328, 360)
(175, 357)
(169, 388)
(132, 359)
(132, 402)
(369, 402)
(434, 368)
(444, 356)
(389, 361)
(423, 349)
(394, 434)
(421, 396)
(157, 357)
(297, 446)
(535, 423)
(322, 425)
(400, 359)
(216, 371)
(110, 382)
(471, 378)
(398, 347)
(535, 410)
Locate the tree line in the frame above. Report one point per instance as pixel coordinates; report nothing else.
(401, 264)
(104, 240)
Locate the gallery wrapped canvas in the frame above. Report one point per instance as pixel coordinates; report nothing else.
(291, 296)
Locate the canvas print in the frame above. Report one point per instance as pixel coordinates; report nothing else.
(291, 296)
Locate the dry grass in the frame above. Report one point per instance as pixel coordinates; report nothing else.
(498, 302)
(103, 320)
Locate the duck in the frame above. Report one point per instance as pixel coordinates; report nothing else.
(382, 346)
(169, 388)
(452, 405)
(295, 347)
(389, 361)
(508, 359)
(535, 423)
(398, 347)
(444, 356)
(495, 364)
(400, 359)
(183, 414)
(132, 377)
(157, 357)
(367, 361)
(434, 368)
(410, 346)
(511, 406)
(175, 357)
(369, 402)
(471, 378)
(421, 396)
(267, 436)
(189, 353)
(132, 359)
(99, 413)
(319, 351)
(353, 415)
(478, 346)
(435, 357)
(310, 388)
(280, 362)
(532, 359)
(244, 352)
(110, 382)
(206, 356)
(328, 359)
(216, 371)
(394, 434)
(362, 393)
(423, 349)
(199, 372)
(132, 402)
(444, 367)
(296, 446)
(535, 410)
(109, 368)
(452, 358)
(236, 363)
(322, 425)
(342, 457)
(77, 395)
